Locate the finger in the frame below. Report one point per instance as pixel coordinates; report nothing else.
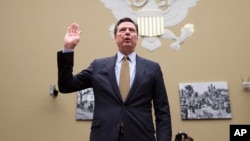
(76, 26)
(68, 29)
(79, 32)
(73, 28)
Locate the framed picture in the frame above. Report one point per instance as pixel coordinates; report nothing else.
(85, 104)
(204, 100)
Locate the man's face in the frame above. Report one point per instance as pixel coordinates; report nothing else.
(126, 37)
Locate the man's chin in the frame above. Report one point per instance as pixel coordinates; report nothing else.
(127, 44)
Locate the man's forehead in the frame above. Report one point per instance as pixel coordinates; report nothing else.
(126, 24)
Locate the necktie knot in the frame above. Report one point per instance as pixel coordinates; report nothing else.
(125, 58)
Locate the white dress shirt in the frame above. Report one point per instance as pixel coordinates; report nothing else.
(132, 64)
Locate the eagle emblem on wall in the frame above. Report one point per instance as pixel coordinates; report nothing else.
(154, 18)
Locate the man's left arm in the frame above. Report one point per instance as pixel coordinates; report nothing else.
(162, 109)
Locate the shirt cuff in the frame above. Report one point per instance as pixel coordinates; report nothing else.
(66, 50)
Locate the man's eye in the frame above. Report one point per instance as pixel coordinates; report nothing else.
(131, 30)
(122, 30)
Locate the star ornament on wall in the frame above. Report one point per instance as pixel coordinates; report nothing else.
(153, 22)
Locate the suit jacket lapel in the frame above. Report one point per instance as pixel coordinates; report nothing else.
(111, 74)
(138, 75)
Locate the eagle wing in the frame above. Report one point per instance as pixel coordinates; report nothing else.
(120, 8)
(177, 11)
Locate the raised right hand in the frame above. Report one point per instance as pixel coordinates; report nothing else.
(72, 36)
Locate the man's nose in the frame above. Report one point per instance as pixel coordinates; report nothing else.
(127, 31)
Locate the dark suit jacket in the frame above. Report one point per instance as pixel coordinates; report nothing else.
(110, 110)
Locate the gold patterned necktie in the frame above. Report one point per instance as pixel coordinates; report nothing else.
(124, 84)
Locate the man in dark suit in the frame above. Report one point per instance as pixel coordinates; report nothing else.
(119, 118)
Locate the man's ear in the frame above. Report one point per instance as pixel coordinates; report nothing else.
(114, 40)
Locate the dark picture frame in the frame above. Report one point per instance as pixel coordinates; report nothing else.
(204, 100)
(85, 104)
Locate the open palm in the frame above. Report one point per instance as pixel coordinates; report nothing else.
(72, 36)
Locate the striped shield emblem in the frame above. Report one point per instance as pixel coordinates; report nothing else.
(150, 26)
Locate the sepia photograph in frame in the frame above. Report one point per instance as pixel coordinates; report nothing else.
(204, 100)
(85, 104)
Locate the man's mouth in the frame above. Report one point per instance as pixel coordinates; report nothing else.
(127, 39)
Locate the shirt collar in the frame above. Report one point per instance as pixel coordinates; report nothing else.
(131, 56)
